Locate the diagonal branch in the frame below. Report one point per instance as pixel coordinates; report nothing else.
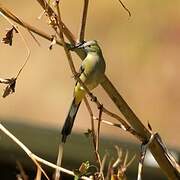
(36, 158)
(51, 13)
(61, 36)
(25, 149)
(156, 147)
(83, 21)
(31, 28)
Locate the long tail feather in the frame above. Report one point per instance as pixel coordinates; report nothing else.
(67, 127)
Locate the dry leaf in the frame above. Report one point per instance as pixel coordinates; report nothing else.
(9, 36)
(10, 88)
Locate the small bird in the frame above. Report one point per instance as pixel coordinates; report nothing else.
(91, 74)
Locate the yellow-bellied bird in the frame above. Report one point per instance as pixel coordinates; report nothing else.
(91, 74)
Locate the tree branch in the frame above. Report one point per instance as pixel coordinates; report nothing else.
(51, 13)
(31, 28)
(35, 158)
(83, 21)
(156, 147)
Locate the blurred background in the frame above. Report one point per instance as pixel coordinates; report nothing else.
(142, 54)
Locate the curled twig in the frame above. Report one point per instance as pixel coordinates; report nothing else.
(122, 4)
(119, 167)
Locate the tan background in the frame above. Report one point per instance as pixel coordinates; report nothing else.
(142, 55)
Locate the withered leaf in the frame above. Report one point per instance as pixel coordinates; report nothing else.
(9, 36)
(83, 169)
(10, 88)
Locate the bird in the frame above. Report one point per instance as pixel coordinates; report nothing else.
(91, 74)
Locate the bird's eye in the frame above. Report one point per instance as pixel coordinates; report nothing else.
(89, 45)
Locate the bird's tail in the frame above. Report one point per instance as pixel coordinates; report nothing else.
(67, 127)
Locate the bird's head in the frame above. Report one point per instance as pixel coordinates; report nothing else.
(89, 46)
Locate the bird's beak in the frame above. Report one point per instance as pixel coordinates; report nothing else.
(77, 46)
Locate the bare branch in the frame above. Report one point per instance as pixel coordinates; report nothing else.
(92, 121)
(101, 174)
(4, 81)
(68, 54)
(35, 158)
(22, 172)
(19, 143)
(144, 148)
(124, 125)
(83, 21)
(64, 28)
(94, 139)
(155, 147)
(99, 125)
(31, 28)
(59, 161)
(25, 43)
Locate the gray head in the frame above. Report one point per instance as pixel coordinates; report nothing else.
(89, 46)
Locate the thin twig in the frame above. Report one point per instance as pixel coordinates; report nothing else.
(61, 146)
(57, 167)
(122, 4)
(4, 81)
(31, 28)
(23, 174)
(156, 147)
(36, 158)
(25, 43)
(17, 20)
(59, 161)
(94, 139)
(10, 15)
(120, 166)
(144, 148)
(38, 174)
(101, 174)
(61, 36)
(83, 21)
(51, 13)
(19, 143)
(110, 123)
(92, 122)
(124, 125)
(98, 129)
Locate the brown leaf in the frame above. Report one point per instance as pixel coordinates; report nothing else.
(10, 88)
(9, 36)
